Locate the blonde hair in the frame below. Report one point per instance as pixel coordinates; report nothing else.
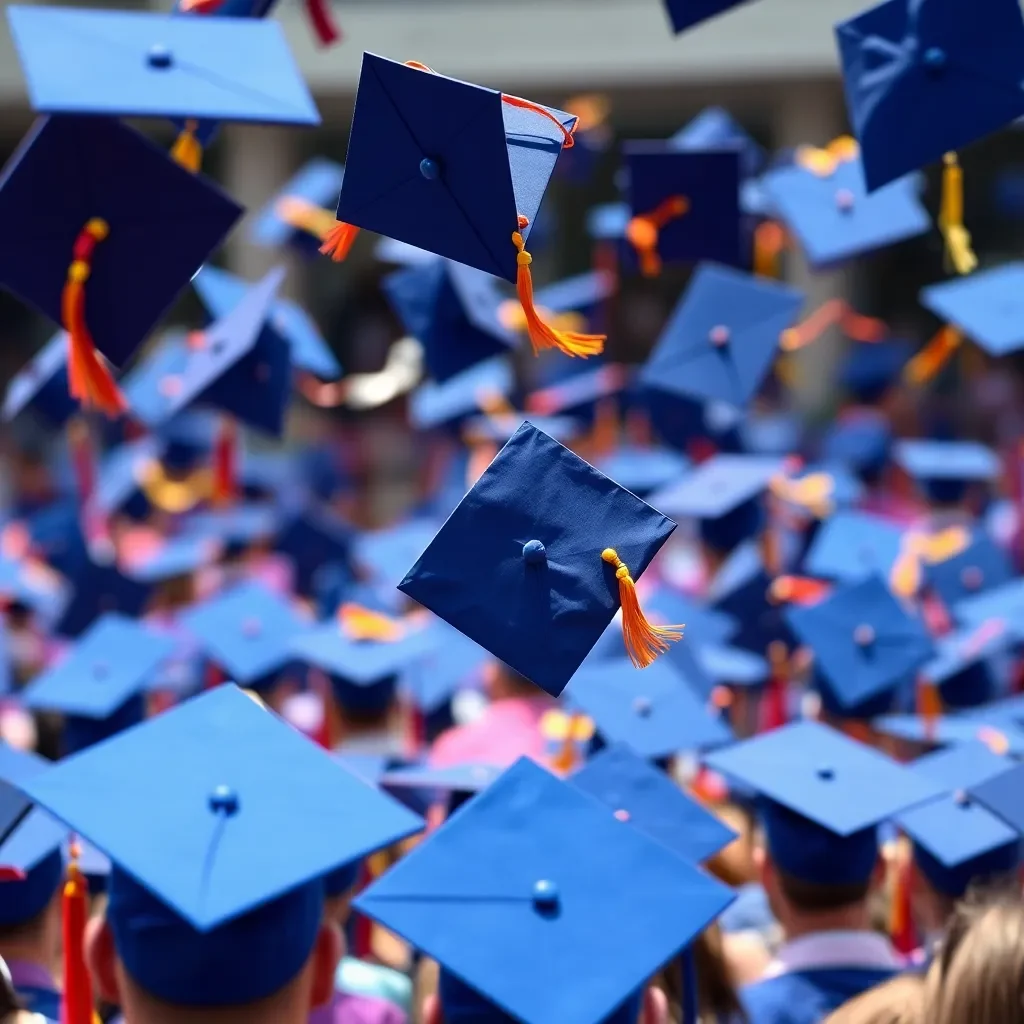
(899, 1001)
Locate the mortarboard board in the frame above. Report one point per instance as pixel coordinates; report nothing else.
(656, 715)
(861, 442)
(294, 215)
(453, 663)
(387, 554)
(722, 337)
(956, 839)
(455, 784)
(1000, 793)
(222, 292)
(715, 128)
(730, 666)
(99, 587)
(824, 202)
(983, 306)
(774, 433)
(946, 468)
(642, 470)
(500, 427)
(452, 310)
(982, 565)
(852, 545)
(964, 727)
(137, 222)
(962, 667)
(314, 538)
(237, 527)
(527, 563)
(435, 404)
(718, 486)
(579, 394)
(1003, 603)
(921, 81)
(686, 13)
(650, 801)
(42, 385)
(684, 205)
(864, 643)
(247, 631)
(174, 557)
(823, 797)
(870, 369)
(564, 939)
(221, 822)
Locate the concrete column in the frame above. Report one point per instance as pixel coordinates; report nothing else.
(812, 113)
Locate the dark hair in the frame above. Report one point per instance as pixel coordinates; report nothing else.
(516, 682)
(815, 898)
(716, 995)
(9, 1002)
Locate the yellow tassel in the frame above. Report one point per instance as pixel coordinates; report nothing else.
(929, 707)
(644, 641)
(951, 217)
(934, 356)
(187, 150)
(359, 623)
(905, 575)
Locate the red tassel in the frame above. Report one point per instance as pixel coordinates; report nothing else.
(318, 12)
(901, 918)
(225, 463)
(338, 241)
(76, 999)
(775, 703)
(214, 677)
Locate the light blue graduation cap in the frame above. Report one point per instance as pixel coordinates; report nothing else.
(459, 397)
(981, 566)
(715, 127)
(1002, 604)
(42, 385)
(643, 470)
(387, 554)
(994, 730)
(853, 545)
(290, 218)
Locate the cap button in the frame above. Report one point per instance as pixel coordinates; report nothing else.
(159, 57)
(622, 814)
(826, 773)
(719, 336)
(534, 552)
(971, 577)
(864, 635)
(224, 800)
(844, 200)
(545, 895)
(642, 706)
(100, 670)
(429, 169)
(935, 58)
(252, 627)
(962, 798)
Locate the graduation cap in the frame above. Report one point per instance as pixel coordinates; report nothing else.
(870, 369)
(823, 200)
(220, 821)
(714, 128)
(173, 558)
(525, 564)
(1003, 604)
(861, 442)
(435, 404)
(98, 587)
(982, 565)
(864, 643)
(823, 796)
(962, 667)
(1000, 793)
(956, 839)
(983, 306)
(852, 545)
(98, 686)
(684, 205)
(562, 925)
(386, 554)
(656, 715)
(222, 292)
(579, 394)
(472, 196)
(454, 784)
(637, 792)
(314, 538)
(921, 82)
(247, 631)
(500, 427)
(945, 469)
(722, 337)
(994, 730)
(131, 228)
(42, 385)
(643, 470)
(686, 13)
(296, 216)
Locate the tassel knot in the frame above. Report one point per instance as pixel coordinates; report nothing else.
(959, 253)
(187, 150)
(643, 230)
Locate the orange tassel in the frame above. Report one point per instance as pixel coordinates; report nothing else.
(829, 314)
(929, 707)
(644, 641)
(225, 464)
(643, 230)
(901, 921)
(542, 335)
(567, 757)
(799, 590)
(934, 356)
(187, 150)
(76, 999)
(769, 242)
(89, 380)
(338, 241)
(305, 216)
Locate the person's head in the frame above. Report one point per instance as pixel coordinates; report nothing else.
(504, 683)
(716, 994)
(339, 888)
(30, 913)
(273, 964)
(899, 1001)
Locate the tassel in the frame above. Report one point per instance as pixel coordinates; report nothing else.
(769, 242)
(305, 216)
(858, 730)
(493, 403)
(187, 150)
(901, 920)
(567, 756)
(76, 998)
(811, 493)
(775, 705)
(319, 15)
(542, 335)
(338, 241)
(644, 641)
(959, 253)
(200, 6)
(89, 380)
(359, 623)
(481, 455)
(225, 464)
(798, 590)
(934, 356)
(995, 740)
(605, 433)
(643, 230)
(929, 707)
(83, 459)
(905, 575)
(214, 677)
(829, 314)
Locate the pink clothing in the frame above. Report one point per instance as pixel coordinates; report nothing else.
(507, 730)
(351, 1009)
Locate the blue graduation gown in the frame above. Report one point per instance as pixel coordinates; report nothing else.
(807, 997)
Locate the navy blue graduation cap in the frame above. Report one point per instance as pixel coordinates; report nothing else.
(435, 404)
(452, 310)
(132, 227)
(861, 442)
(42, 385)
(963, 667)
(984, 306)
(295, 216)
(870, 369)
(215, 859)
(823, 797)
(558, 887)
(684, 205)
(686, 13)
(852, 545)
(922, 81)
(386, 554)
(982, 565)
(722, 337)
(945, 469)
(453, 663)
(772, 433)
(247, 631)
(221, 292)
(715, 128)
(864, 643)
(643, 470)
(537, 558)
(452, 784)
(1002, 604)
(637, 792)
(656, 715)
(99, 685)
(313, 538)
(98, 586)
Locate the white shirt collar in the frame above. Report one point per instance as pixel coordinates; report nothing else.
(845, 949)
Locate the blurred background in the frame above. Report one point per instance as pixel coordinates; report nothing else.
(772, 64)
